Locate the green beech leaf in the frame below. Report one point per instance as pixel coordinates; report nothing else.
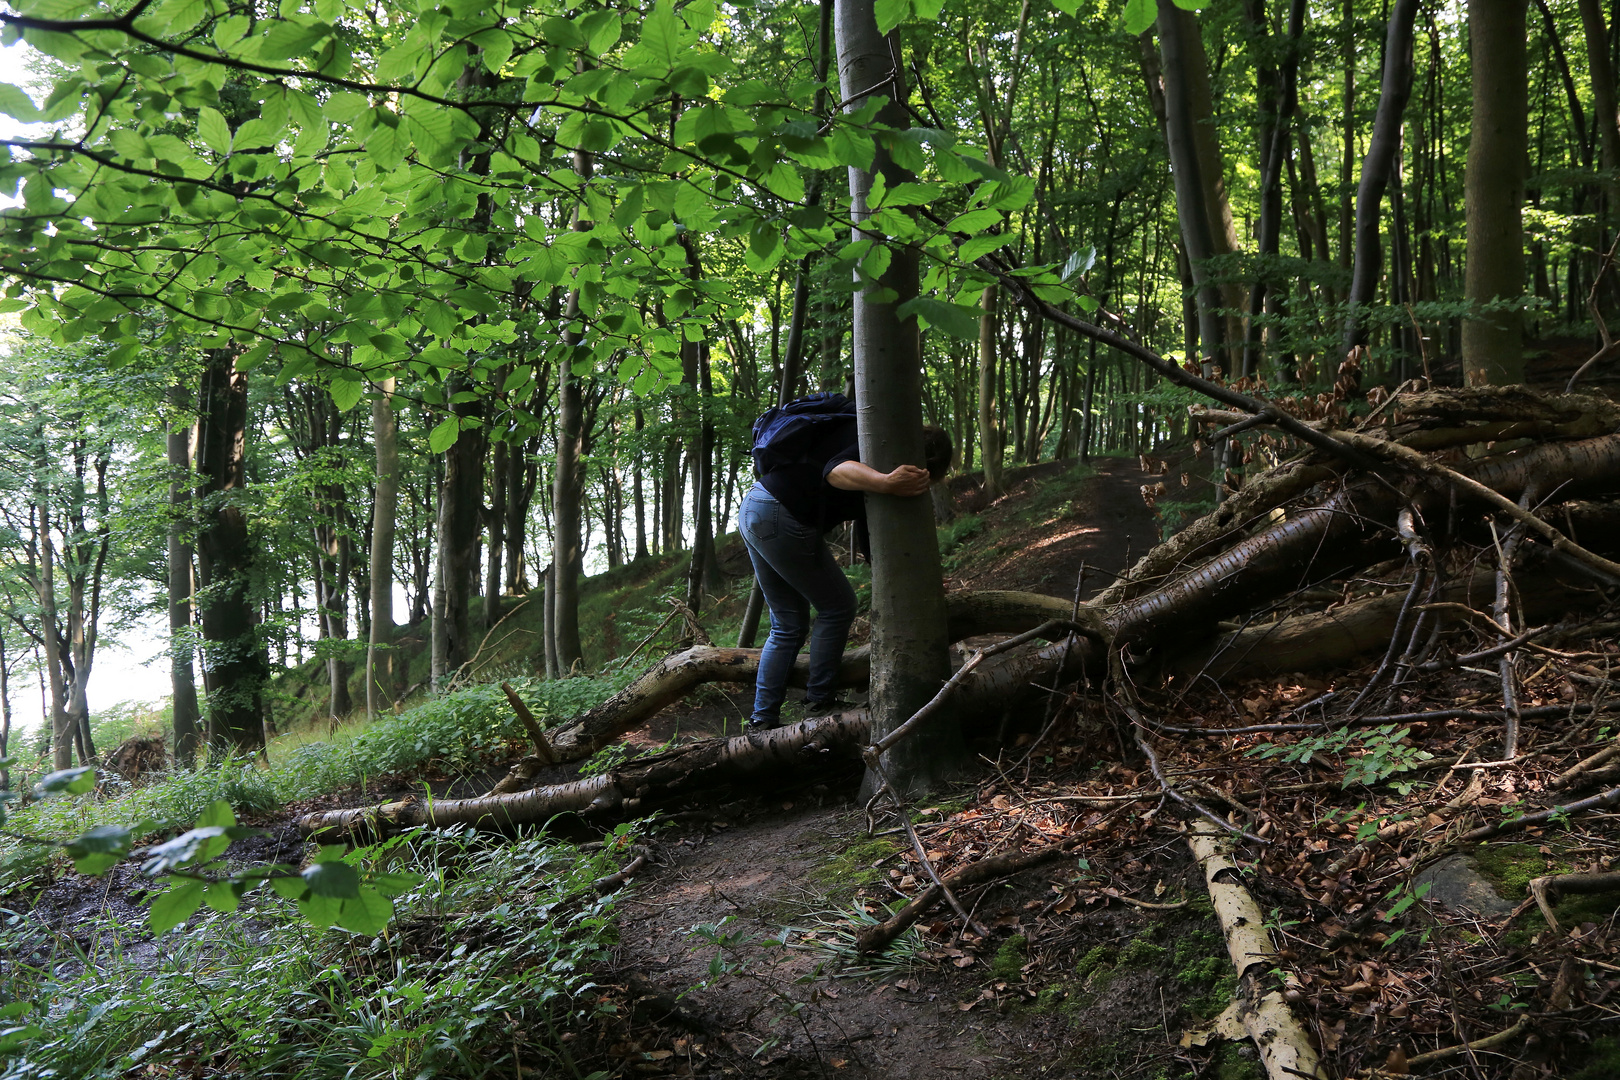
(287, 39)
(367, 914)
(73, 781)
(224, 896)
(347, 392)
(336, 879)
(956, 320)
(218, 814)
(320, 910)
(978, 247)
(15, 102)
(290, 887)
(661, 35)
(1139, 15)
(176, 905)
(891, 13)
(444, 435)
(496, 47)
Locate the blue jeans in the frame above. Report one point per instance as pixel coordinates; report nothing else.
(796, 572)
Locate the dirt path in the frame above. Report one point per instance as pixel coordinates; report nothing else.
(771, 1013)
(794, 864)
(1046, 531)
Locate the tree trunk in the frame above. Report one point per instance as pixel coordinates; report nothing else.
(182, 675)
(236, 664)
(1274, 146)
(495, 523)
(1180, 70)
(1375, 170)
(989, 431)
(1498, 157)
(787, 752)
(461, 492)
(380, 682)
(636, 489)
(909, 640)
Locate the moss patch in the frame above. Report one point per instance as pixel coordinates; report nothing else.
(1237, 1061)
(1510, 867)
(1100, 956)
(852, 867)
(1601, 1061)
(1009, 961)
(1141, 953)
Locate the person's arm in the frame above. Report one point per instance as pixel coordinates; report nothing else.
(855, 476)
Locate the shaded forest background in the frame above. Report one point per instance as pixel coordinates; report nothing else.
(232, 219)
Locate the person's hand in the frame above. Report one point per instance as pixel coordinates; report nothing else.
(907, 480)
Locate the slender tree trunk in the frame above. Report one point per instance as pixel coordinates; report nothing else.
(1180, 63)
(182, 582)
(380, 682)
(461, 491)
(989, 431)
(1274, 145)
(495, 522)
(1605, 115)
(1492, 342)
(568, 560)
(237, 665)
(522, 474)
(1375, 170)
(909, 637)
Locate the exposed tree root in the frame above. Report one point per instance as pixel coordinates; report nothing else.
(1285, 1047)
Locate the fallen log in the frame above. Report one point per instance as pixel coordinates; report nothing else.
(693, 767)
(1341, 634)
(970, 613)
(1285, 1047)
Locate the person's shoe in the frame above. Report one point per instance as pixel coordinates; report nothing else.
(827, 707)
(756, 729)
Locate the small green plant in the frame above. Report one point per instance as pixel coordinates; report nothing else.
(1403, 895)
(1371, 755)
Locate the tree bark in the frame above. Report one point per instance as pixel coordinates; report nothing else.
(1179, 68)
(1375, 169)
(236, 664)
(1498, 158)
(380, 681)
(568, 481)
(789, 751)
(182, 675)
(909, 642)
(1605, 106)
(461, 490)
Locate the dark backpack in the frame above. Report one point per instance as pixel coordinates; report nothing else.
(783, 435)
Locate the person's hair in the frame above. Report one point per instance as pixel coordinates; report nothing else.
(938, 451)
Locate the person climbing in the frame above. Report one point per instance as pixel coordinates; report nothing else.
(810, 479)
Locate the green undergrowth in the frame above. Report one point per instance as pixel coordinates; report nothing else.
(488, 961)
(456, 735)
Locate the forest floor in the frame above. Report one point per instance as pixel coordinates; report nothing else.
(1112, 963)
(753, 904)
(733, 955)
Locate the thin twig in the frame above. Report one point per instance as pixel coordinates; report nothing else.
(1123, 695)
(922, 855)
